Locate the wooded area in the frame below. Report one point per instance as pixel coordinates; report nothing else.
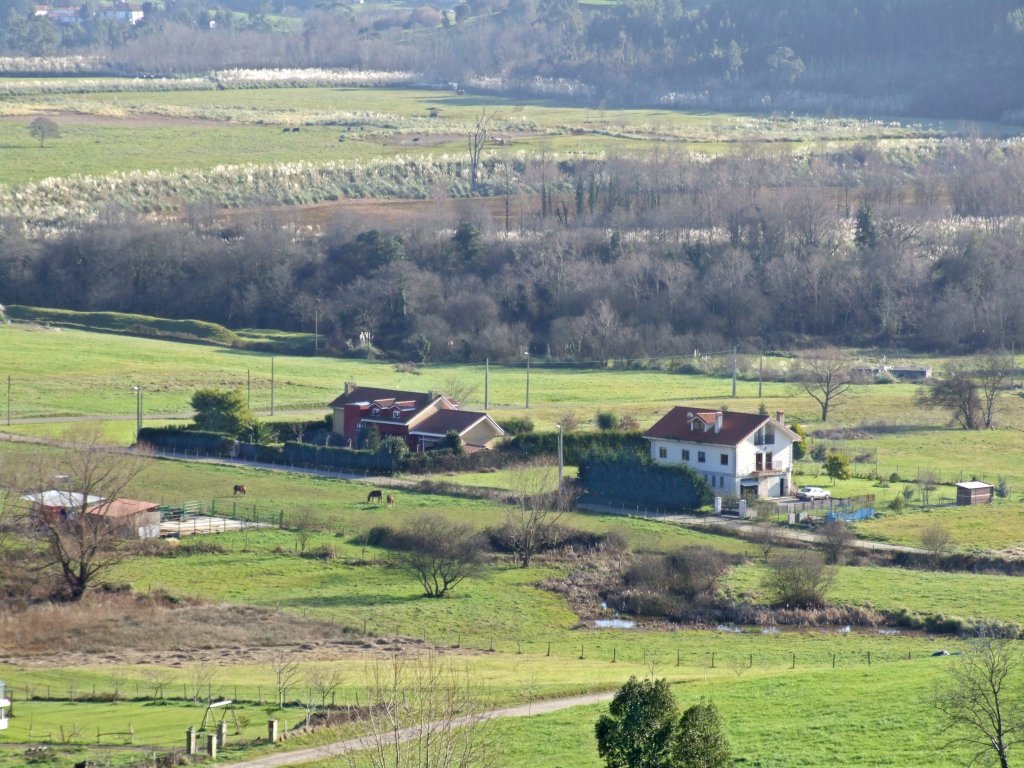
(937, 58)
(645, 256)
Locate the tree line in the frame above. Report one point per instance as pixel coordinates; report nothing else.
(919, 57)
(645, 256)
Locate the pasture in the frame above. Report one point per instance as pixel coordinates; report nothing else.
(104, 132)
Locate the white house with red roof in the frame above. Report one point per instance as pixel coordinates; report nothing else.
(422, 418)
(739, 454)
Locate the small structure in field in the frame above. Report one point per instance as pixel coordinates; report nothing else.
(974, 492)
(139, 519)
(5, 704)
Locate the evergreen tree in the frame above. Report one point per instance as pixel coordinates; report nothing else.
(699, 741)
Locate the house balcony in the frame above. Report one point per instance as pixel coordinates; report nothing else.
(773, 471)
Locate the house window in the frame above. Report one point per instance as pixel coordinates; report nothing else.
(686, 454)
(396, 413)
(663, 453)
(376, 410)
(700, 457)
(724, 459)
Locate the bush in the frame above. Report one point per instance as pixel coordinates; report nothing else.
(819, 451)
(607, 421)
(1002, 487)
(623, 477)
(516, 425)
(322, 552)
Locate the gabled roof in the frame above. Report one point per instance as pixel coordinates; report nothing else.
(121, 508)
(443, 422)
(686, 423)
(55, 499)
(373, 394)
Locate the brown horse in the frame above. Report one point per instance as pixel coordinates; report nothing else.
(391, 501)
(375, 495)
(239, 490)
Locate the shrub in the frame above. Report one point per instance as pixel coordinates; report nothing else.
(1002, 488)
(819, 451)
(894, 477)
(517, 425)
(322, 552)
(607, 421)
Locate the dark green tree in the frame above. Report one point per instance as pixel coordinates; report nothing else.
(699, 741)
(638, 729)
(452, 441)
(865, 235)
(372, 440)
(221, 410)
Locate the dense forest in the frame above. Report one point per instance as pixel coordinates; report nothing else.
(945, 58)
(919, 249)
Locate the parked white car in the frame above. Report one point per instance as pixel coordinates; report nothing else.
(812, 493)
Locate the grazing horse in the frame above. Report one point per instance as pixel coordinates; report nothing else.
(391, 501)
(375, 495)
(239, 490)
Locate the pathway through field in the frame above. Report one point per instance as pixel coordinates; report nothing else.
(313, 754)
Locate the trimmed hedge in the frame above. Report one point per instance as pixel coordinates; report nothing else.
(575, 445)
(177, 439)
(633, 479)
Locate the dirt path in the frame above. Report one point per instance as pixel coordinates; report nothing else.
(314, 754)
(746, 530)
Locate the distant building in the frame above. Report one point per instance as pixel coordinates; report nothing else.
(5, 704)
(739, 454)
(421, 418)
(140, 519)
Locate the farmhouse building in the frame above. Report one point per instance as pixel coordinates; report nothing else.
(139, 519)
(421, 418)
(739, 454)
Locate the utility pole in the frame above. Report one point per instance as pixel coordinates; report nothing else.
(271, 386)
(527, 353)
(248, 388)
(138, 412)
(760, 374)
(734, 371)
(487, 381)
(316, 330)
(559, 461)
(8, 401)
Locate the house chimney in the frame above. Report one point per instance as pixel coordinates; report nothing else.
(719, 416)
(349, 387)
(780, 416)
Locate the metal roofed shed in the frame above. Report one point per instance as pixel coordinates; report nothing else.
(974, 492)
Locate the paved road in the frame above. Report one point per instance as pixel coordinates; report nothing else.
(747, 530)
(314, 754)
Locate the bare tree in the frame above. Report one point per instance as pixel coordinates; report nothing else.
(957, 393)
(992, 378)
(424, 711)
(836, 538)
(440, 553)
(765, 535)
(799, 578)
(936, 540)
(982, 702)
(286, 672)
(532, 524)
(157, 679)
(200, 676)
(83, 541)
(476, 140)
(305, 522)
(827, 376)
(323, 681)
(459, 390)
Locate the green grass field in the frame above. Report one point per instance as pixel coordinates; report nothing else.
(105, 133)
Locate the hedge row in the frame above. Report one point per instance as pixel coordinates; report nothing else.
(185, 440)
(576, 445)
(633, 479)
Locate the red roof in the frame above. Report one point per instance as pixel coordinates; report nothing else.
(121, 508)
(687, 423)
